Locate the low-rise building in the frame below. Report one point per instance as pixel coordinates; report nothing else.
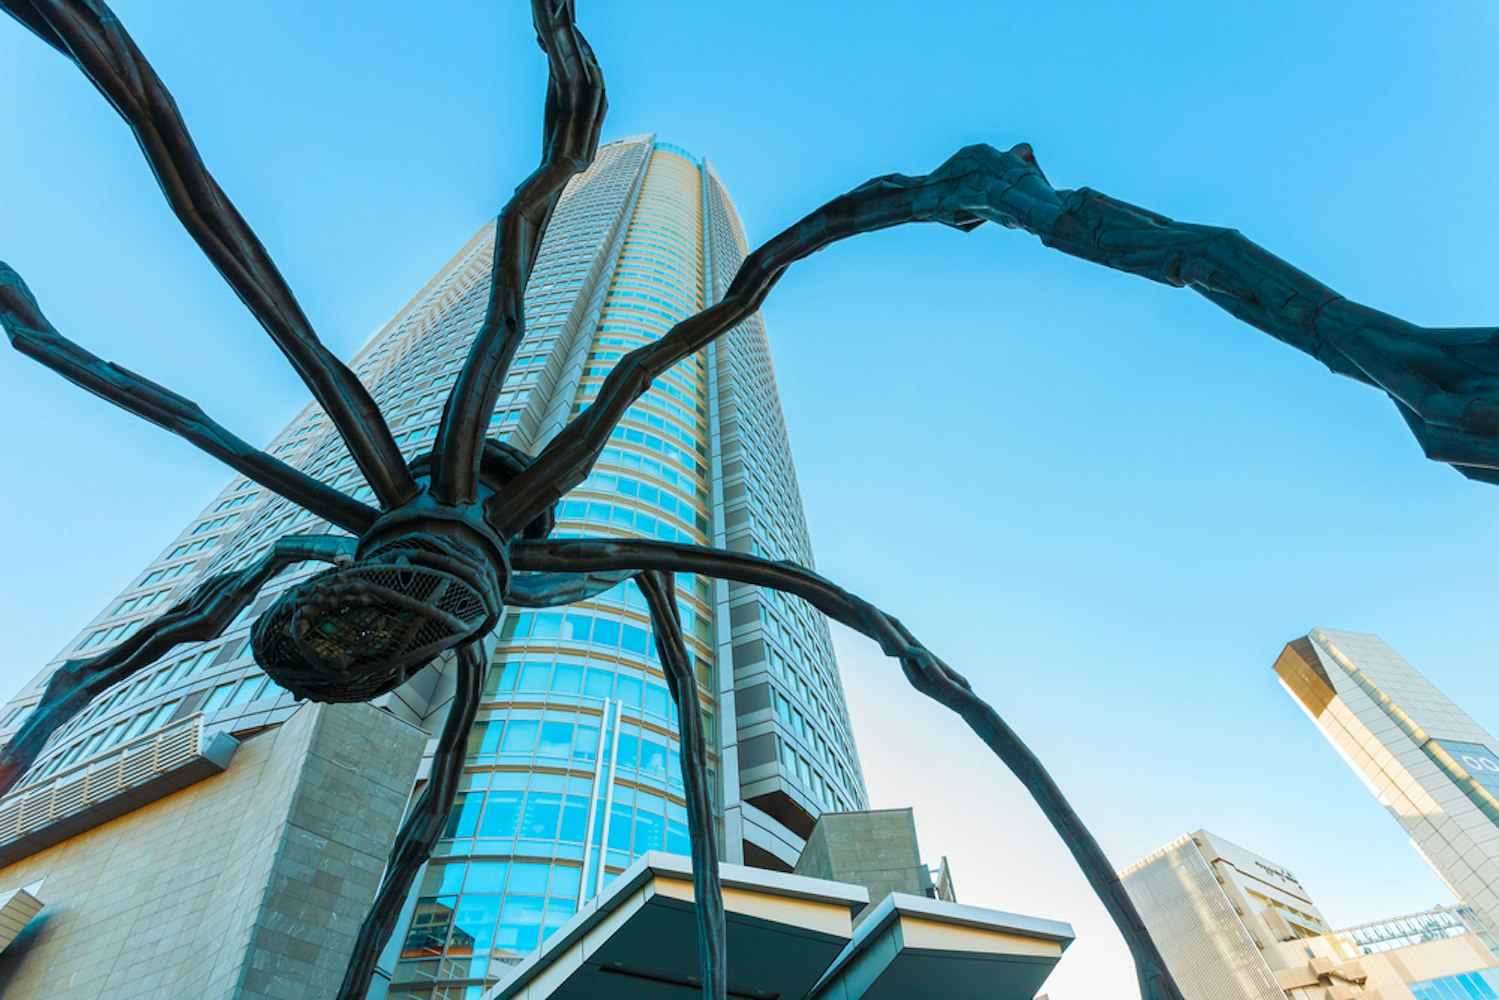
(1232, 925)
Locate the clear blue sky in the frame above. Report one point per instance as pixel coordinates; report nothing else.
(1102, 499)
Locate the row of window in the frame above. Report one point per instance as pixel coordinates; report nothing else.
(187, 547)
(681, 292)
(225, 695)
(679, 307)
(238, 501)
(628, 518)
(652, 467)
(140, 601)
(645, 693)
(111, 634)
(632, 259)
(466, 930)
(678, 381)
(573, 627)
(157, 575)
(612, 484)
(1480, 985)
(492, 822)
(690, 422)
(797, 723)
(655, 442)
(813, 694)
(811, 778)
(126, 729)
(551, 740)
(194, 663)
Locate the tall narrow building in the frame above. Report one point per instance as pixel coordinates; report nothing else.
(1431, 765)
(573, 769)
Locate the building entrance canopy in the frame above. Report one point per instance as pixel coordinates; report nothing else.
(789, 937)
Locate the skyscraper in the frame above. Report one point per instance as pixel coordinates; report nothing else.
(1430, 764)
(572, 771)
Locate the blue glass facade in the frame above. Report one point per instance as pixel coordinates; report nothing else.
(1480, 985)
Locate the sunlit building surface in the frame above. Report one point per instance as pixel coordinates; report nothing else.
(1233, 925)
(573, 769)
(1212, 907)
(1429, 763)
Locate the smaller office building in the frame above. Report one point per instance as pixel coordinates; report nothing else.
(1233, 925)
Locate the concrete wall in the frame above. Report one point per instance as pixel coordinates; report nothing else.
(249, 884)
(876, 849)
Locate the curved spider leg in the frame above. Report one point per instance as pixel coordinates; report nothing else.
(202, 615)
(681, 678)
(1445, 381)
(422, 826)
(32, 334)
(922, 668)
(92, 37)
(575, 106)
(883, 202)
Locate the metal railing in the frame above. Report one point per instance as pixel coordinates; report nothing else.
(101, 777)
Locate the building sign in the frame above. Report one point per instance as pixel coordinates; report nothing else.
(1481, 762)
(1253, 866)
(1277, 872)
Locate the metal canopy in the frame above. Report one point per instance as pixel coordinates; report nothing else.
(789, 937)
(639, 941)
(910, 946)
(17, 907)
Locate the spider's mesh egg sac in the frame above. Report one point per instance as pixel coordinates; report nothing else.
(354, 632)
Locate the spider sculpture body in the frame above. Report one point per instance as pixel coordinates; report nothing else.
(463, 532)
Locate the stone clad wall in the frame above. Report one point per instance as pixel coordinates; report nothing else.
(249, 884)
(876, 849)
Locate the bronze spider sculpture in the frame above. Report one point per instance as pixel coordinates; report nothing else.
(463, 532)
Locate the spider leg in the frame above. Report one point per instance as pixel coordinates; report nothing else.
(201, 616)
(922, 668)
(32, 334)
(422, 826)
(549, 589)
(878, 204)
(92, 37)
(575, 106)
(1445, 381)
(681, 678)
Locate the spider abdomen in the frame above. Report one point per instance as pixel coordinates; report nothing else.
(354, 632)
